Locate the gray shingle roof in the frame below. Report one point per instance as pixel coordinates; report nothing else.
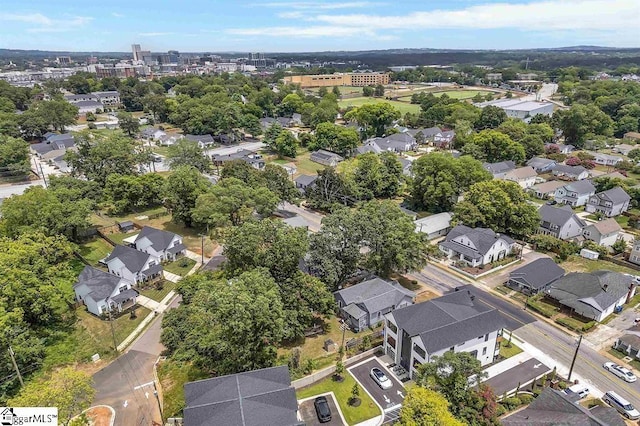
(540, 163)
(125, 295)
(558, 215)
(433, 223)
(631, 340)
(305, 180)
(254, 398)
(133, 259)
(448, 320)
(590, 294)
(482, 238)
(569, 170)
(374, 295)
(581, 187)
(199, 138)
(554, 408)
(537, 274)
(616, 195)
(159, 238)
(102, 284)
(500, 167)
(322, 154)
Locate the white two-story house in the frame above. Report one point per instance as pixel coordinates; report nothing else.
(454, 322)
(575, 194)
(476, 246)
(158, 243)
(612, 202)
(523, 176)
(133, 265)
(102, 292)
(560, 222)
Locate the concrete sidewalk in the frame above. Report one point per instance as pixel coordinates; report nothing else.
(174, 278)
(147, 303)
(507, 364)
(160, 307)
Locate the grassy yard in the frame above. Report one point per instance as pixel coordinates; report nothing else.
(312, 347)
(119, 237)
(161, 150)
(191, 237)
(454, 94)
(305, 165)
(576, 263)
(90, 335)
(153, 293)
(173, 375)
(353, 415)
(95, 250)
(177, 267)
(508, 352)
(620, 355)
(403, 107)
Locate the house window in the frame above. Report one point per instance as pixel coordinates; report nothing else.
(486, 337)
(123, 288)
(391, 341)
(484, 350)
(474, 354)
(392, 327)
(418, 350)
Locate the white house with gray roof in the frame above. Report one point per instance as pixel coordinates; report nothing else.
(570, 172)
(398, 142)
(523, 176)
(325, 157)
(606, 159)
(476, 246)
(560, 222)
(611, 202)
(604, 233)
(454, 322)
(593, 295)
(499, 169)
(535, 277)
(542, 165)
(101, 291)
(133, 265)
(575, 194)
(434, 226)
(159, 243)
(365, 304)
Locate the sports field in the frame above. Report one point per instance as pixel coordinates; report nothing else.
(454, 94)
(403, 107)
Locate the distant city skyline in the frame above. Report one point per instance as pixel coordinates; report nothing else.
(296, 26)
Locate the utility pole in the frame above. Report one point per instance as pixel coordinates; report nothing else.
(573, 361)
(15, 365)
(113, 331)
(202, 249)
(44, 178)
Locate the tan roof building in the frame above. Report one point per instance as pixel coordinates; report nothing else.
(547, 189)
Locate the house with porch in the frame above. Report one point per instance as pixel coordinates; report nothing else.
(476, 246)
(436, 225)
(629, 344)
(523, 176)
(612, 202)
(203, 141)
(546, 190)
(570, 172)
(365, 304)
(133, 265)
(102, 292)
(604, 233)
(607, 159)
(575, 194)
(535, 277)
(454, 322)
(593, 295)
(159, 243)
(325, 157)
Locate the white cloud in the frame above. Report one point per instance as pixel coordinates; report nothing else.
(316, 5)
(315, 31)
(537, 15)
(291, 15)
(117, 15)
(31, 18)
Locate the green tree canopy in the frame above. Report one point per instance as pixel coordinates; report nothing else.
(14, 156)
(181, 190)
(339, 139)
(374, 117)
(425, 407)
(499, 205)
(187, 153)
(439, 179)
(490, 118)
(496, 146)
(128, 123)
(131, 193)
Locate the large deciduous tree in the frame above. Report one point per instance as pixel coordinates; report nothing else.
(439, 179)
(335, 138)
(226, 326)
(374, 117)
(496, 146)
(490, 118)
(181, 190)
(130, 193)
(128, 123)
(499, 205)
(69, 390)
(187, 153)
(14, 156)
(581, 121)
(425, 407)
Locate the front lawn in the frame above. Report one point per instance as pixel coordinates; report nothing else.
(95, 250)
(509, 351)
(353, 415)
(91, 335)
(620, 355)
(158, 294)
(180, 267)
(403, 107)
(173, 375)
(119, 237)
(576, 263)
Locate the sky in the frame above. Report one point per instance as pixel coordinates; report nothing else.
(307, 26)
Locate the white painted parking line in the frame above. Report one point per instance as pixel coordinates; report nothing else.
(141, 386)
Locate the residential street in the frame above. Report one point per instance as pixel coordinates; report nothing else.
(127, 383)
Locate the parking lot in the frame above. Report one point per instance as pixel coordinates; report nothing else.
(309, 416)
(388, 399)
(520, 375)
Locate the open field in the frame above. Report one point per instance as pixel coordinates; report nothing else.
(401, 106)
(95, 250)
(454, 94)
(576, 263)
(302, 161)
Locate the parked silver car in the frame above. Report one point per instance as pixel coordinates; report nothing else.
(380, 378)
(620, 371)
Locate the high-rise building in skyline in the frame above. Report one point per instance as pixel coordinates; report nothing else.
(137, 52)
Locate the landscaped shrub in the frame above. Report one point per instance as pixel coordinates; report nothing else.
(525, 399)
(541, 309)
(576, 325)
(500, 410)
(511, 403)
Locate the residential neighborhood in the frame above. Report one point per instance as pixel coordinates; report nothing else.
(221, 236)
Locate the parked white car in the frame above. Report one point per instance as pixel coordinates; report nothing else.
(380, 378)
(620, 371)
(581, 390)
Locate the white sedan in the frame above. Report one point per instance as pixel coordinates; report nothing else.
(620, 371)
(380, 378)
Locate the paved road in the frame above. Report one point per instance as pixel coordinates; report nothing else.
(250, 146)
(520, 375)
(387, 398)
(547, 342)
(127, 383)
(310, 417)
(314, 219)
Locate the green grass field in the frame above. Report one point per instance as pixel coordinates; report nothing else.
(401, 106)
(153, 293)
(95, 250)
(454, 94)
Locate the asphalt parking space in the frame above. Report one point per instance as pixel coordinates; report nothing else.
(309, 416)
(521, 374)
(388, 399)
